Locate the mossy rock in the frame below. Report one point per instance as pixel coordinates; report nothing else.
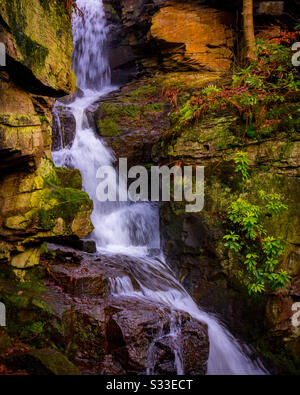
(46, 52)
(117, 118)
(43, 362)
(27, 259)
(69, 178)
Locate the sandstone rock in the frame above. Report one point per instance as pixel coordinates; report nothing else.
(183, 33)
(170, 36)
(38, 40)
(141, 341)
(44, 52)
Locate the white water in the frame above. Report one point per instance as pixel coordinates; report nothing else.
(132, 229)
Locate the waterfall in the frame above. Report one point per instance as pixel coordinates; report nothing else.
(132, 228)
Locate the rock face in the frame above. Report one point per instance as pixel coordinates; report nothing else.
(38, 41)
(169, 36)
(74, 311)
(193, 242)
(183, 35)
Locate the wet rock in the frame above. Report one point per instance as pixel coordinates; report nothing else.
(151, 342)
(87, 279)
(133, 335)
(64, 128)
(100, 333)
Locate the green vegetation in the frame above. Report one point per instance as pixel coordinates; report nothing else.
(263, 95)
(68, 202)
(258, 251)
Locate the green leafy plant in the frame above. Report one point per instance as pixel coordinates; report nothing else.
(257, 251)
(242, 164)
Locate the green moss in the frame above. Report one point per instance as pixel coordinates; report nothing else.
(67, 203)
(284, 355)
(33, 53)
(109, 127)
(69, 178)
(46, 220)
(44, 119)
(143, 92)
(154, 107)
(112, 116)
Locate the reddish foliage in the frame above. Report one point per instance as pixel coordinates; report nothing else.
(172, 95)
(286, 38)
(5, 371)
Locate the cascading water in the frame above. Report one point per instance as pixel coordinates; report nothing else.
(125, 228)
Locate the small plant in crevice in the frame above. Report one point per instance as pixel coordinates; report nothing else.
(257, 251)
(241, 161)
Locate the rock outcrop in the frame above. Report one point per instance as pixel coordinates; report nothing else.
(37, 200)
(169, 36)
(182, 32)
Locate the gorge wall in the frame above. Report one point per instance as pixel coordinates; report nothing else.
(38, 202)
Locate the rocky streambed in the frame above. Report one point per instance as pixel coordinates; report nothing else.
(90, 327)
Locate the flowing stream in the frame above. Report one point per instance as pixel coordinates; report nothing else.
(132, 228)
